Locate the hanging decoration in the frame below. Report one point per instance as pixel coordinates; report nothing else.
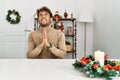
(13, 17)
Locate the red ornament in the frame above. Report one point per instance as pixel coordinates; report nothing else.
(62, 26)
(109, 66)
(84, 60)
(116, 67)
(105, 68)
(105, 57)
(95, 66)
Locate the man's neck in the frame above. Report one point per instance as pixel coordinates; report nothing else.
(45, 27)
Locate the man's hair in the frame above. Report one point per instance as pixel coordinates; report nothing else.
(44, 8)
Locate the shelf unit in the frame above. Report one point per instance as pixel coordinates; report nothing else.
(73, 36)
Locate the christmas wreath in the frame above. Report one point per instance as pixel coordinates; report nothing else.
(13, 17)
(93, 69)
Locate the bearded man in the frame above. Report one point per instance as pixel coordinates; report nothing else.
(46, 42)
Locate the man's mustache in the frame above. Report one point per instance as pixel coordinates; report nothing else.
(43, 18)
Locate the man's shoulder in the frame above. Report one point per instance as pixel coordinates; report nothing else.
(33, 33)
(58, 32)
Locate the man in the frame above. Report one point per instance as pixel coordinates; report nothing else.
(46, 43)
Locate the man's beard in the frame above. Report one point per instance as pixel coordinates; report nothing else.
(44, 25)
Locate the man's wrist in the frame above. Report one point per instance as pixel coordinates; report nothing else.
(50, 45)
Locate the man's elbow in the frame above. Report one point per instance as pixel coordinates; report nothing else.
(64, 55)
(29, 55)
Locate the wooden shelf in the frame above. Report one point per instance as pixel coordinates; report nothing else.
(62, 19)
(65, 19)
(72, 37)
(71, 51)
(69, 35)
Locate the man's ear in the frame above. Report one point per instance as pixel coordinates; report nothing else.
(51, 19)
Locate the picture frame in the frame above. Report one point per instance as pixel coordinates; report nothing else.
(69, 30)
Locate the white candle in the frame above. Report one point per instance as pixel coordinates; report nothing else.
(99, 56)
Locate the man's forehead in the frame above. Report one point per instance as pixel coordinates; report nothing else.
(43, 12)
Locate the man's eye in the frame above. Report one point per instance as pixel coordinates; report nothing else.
(45, 14)
(40, 15)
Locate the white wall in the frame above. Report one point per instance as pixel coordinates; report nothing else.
(80, 7)
(27, 8)
(107, 27)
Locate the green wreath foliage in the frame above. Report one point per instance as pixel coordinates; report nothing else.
(16, 20)
(92, 69)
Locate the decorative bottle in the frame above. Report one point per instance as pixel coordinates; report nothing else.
(65, 14)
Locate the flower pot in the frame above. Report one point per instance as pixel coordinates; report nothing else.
(68, 47)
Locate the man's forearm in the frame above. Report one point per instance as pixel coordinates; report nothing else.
(60, 53)
(35, 52)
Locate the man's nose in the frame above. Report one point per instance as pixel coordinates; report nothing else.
(43, 16)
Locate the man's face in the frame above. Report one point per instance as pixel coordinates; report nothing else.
(44, 19)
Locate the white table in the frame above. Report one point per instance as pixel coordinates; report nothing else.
(40, 69)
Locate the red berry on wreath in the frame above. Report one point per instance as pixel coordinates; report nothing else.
(105, 57)
(105, 68)
(95, 66)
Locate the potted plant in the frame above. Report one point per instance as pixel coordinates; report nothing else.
(68, 46)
